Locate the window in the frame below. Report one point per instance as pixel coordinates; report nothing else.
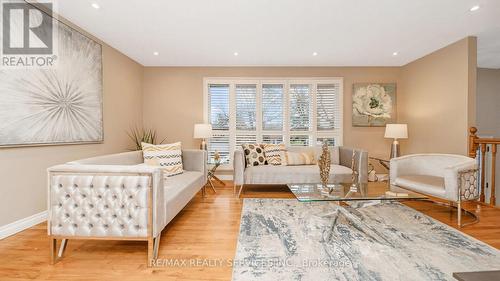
(297, 112)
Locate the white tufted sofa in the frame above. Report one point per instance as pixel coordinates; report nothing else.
(118, 197)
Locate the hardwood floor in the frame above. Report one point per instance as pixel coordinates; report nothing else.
(205, 231)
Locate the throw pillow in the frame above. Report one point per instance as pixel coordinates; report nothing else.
(167, 156)
(254, 154)
(299, 158)
(273, 153)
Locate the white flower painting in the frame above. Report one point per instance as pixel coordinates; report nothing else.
(57, 105)
(373, 104)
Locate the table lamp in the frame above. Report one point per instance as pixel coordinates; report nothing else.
(203, 132)
(396, 131)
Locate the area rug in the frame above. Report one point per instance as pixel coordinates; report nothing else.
(371, 240)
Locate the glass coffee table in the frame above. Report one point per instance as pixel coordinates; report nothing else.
(306, 192)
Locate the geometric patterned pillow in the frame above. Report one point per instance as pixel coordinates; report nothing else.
(273, 153)
(254, 154)
(167, 156)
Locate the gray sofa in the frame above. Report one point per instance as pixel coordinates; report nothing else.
(281, 175)
(118, 197)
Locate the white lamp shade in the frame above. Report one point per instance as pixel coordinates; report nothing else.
(396, 131)
(202, 131)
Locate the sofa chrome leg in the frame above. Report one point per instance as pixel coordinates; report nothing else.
(62, 248)
(156, 246)
(53, 250)
(150, 252)
(241, 189)
(459, 211)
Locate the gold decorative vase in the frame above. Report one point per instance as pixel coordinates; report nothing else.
(324, 165)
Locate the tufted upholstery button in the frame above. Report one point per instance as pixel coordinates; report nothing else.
(130, 196)
(76, 205)
(67, 196)
(91, 186)
(122, 226)
(91, 206)
(138, 186)
(60, 205)
(82, 215)
(75, 185)
(137, 207)
(137, 226)
(75, 225)
(59, 225)
(91, 225)
(115, 216)
(107, 186)
(66, 215)
(60, 185)
(114, 196)
(129, 217)
(106, 206)
(105, 226)
(98, 215)
(84, 195)
(99, 196)
(123, 186)
(122, 206)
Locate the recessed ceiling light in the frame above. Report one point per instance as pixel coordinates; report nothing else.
(395, 53)
(156, 53)
(95, 6)
(235, 54)
(474, 8)
(315, 54)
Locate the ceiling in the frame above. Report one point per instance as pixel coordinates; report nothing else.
(287, 32)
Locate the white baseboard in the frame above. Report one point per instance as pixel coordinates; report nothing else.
(22, 224)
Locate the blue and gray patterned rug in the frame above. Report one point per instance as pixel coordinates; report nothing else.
(372, 240)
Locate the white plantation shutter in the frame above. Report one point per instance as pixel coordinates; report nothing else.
(246, 107)
(274, 139)
(300, 107)
(328, 107)
(329, 141)
(221, 144)
(299, 140)
(297, 112)
(218, 106)
(245, 138)
(272, 107)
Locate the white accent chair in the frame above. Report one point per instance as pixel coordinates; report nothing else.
(118, 197)
(444, 176)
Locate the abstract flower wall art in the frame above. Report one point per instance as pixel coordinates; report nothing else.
(373, 104)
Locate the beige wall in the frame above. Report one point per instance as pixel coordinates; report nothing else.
(488, 102)
(22, 170)
(437, 99)
(173, 98)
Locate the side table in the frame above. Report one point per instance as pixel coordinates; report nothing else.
(211, 176)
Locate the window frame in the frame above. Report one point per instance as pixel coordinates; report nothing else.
(313, 131)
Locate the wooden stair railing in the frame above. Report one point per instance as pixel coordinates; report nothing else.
(479, 144)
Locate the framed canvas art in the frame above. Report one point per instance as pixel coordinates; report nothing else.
(373, 104)
(60, 104)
